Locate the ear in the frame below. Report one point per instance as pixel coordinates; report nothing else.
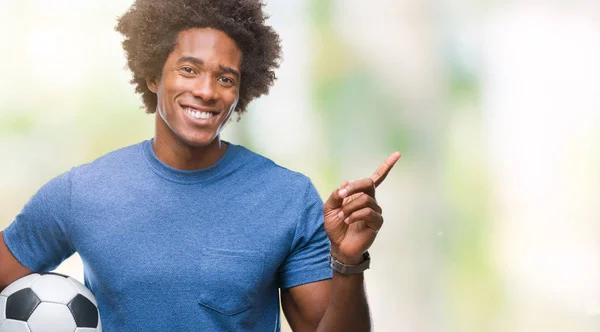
(151, 84)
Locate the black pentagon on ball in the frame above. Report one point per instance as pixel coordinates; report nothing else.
(21, 304)
(84, 311)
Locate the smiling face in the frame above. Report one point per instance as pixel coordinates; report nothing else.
(198, 88)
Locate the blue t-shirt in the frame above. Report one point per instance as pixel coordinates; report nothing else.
(171, 250)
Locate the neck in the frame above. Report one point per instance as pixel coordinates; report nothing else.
(178, 154)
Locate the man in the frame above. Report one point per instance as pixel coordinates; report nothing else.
(186, 232)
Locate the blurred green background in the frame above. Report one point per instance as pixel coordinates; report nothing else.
(492, 214)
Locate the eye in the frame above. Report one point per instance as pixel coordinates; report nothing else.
(188, 70)
(226, 80)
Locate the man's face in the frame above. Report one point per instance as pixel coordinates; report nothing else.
(199, 86)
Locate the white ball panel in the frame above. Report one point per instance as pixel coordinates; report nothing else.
(53, 288)
(19, 284)
(52, 317)
(10, 325)
(2, 309)
(86, 329)
(83, 290)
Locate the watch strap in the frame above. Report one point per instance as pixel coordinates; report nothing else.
(350, 269)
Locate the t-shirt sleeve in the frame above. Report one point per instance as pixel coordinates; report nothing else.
(39, 236)
(308, 260)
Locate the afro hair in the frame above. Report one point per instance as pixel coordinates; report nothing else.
(151, 27)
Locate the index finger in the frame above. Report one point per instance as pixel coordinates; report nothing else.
(385, 168)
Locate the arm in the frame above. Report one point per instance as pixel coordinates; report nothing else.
(339, 304)
(352, 220)
(37, 240)
(10, 268)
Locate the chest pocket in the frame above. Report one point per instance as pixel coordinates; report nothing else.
(231, 279)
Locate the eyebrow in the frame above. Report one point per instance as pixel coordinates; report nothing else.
(200, 63)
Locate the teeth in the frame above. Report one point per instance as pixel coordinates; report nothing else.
(197, 114)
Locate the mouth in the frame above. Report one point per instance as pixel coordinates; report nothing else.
(199, 114)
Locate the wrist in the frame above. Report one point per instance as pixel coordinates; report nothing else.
(350, 269)
(347, 259)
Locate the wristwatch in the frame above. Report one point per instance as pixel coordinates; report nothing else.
(350, 269)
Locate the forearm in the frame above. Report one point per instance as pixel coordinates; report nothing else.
(348, 309)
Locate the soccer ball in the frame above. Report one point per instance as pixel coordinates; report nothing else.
(48, 302)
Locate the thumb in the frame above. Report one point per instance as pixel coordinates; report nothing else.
(335, 200)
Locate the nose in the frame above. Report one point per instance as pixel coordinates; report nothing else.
(205, 88)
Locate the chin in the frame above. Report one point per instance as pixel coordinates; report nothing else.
(198, 141)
